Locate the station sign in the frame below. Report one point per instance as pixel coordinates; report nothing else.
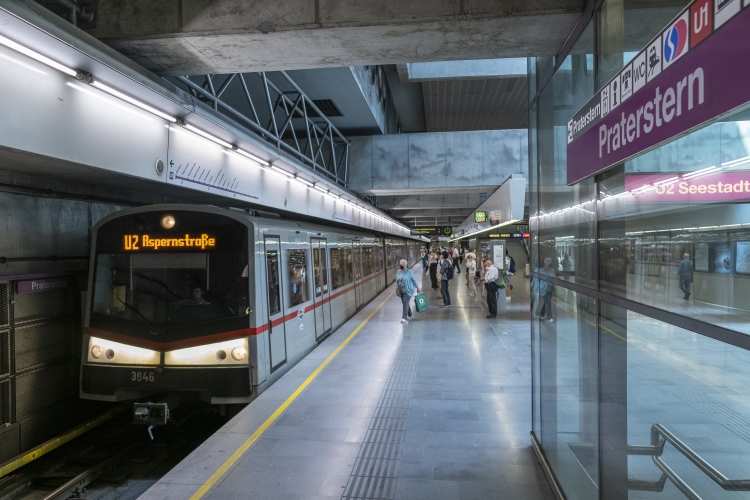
(432, 231)
(43, 285)
(480, 216)
(137, 242)
(695, 71)
(707, 185)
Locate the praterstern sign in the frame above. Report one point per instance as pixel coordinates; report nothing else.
(695, 71)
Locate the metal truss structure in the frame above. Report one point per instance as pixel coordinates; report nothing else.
(286, 117)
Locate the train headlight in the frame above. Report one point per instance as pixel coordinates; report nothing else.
(239, 353)
(168, 221)
(107, 351)
(230, 352)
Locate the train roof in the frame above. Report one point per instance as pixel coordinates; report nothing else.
(243, 216)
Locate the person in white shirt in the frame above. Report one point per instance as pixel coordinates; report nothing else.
(471, 268)
(491, 274)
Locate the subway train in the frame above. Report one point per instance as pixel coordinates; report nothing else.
(219, 303)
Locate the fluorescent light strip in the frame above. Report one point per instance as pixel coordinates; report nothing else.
(303, 181)
(252, 157)
(699, 172)
(109, 90)
(39, 57)
(281, 170)
(735, 163)
(322, 190)
(208, 136)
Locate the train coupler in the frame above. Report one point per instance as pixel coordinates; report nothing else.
(151, 414)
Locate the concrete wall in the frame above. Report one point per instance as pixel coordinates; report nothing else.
(436, 162)
(42, 331)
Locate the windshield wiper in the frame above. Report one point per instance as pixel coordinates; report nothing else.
(151, 328)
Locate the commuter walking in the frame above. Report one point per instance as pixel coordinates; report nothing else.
(454, 256)
(544, 289)
(491, 275)
(446, 271)
(460, 257)
(510, 268)
(406, 283)
(685, 275)
(471, 268)
(433, 263)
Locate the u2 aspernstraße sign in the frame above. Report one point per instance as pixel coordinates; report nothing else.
(696, 70)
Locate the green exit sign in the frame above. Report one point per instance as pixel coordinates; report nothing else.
(480, 216)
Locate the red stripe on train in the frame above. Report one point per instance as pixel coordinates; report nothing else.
(217, 337)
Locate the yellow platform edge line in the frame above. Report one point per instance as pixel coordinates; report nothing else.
(276, 414)
(54, 443)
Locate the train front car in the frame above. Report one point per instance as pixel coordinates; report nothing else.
(170, 306)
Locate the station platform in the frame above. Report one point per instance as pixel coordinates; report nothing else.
(436, 409)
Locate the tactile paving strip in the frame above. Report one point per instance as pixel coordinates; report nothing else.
(376, 468)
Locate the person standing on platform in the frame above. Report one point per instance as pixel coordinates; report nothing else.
(445, 265)
(510, 268)
(685, 274)
(433, 271)
(454, 256)
(491, 274)
(545, 290)
(406, 283)
(471, 268)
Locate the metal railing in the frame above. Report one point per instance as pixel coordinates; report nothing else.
(315, 141)
(661, 436)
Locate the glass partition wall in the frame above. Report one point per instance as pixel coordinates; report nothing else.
(641, 325)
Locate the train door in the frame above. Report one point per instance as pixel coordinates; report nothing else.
(359, 292)
(276, 325)
(322, 290)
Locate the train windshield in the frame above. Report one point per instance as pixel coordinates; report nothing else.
(171, 276)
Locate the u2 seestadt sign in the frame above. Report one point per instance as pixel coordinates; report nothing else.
(695, 70)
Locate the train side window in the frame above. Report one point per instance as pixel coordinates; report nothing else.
(367, 261)
(320, 266)
(297, 276)
(338, 268)
(272, 268)
(346, 266)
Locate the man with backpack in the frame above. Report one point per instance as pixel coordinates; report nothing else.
(491, 278)
(446, 270)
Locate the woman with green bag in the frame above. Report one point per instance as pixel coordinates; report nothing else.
(406, 283)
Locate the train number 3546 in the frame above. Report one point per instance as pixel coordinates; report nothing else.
(136, 376)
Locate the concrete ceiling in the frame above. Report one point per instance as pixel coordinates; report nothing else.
(193, 37)
(488, 104)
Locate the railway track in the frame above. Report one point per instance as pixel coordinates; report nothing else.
(115, 461)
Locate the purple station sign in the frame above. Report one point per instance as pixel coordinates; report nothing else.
(696, 70)
(43, 285)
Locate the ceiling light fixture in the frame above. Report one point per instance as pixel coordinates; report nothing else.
(303, 181)
(39, 57)
(116, 93)
(281, 171)
(250, 156)
(208, 136)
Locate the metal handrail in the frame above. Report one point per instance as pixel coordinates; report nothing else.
(659, 437)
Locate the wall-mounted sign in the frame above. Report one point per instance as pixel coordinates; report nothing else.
(137, 242)
(432, 231)
(43, 285)
(693, 72)
(691, 187)
(480, 216)
(509, 235)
